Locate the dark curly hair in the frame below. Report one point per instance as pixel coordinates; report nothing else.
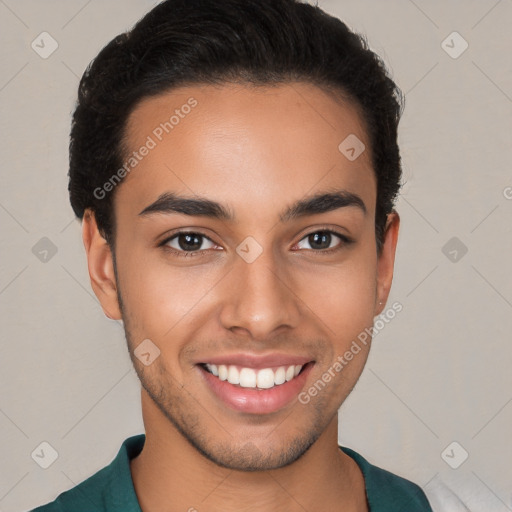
(260, 42)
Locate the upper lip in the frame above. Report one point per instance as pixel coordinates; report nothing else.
(255, 361)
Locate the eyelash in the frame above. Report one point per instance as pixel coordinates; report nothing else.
(188, 254)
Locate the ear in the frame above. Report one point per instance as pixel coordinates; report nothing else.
(386, 261)
(101, 266)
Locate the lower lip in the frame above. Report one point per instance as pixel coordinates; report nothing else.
(256, 401)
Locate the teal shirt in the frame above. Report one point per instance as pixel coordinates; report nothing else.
(111, 489)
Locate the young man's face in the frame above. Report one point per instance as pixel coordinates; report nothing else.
(261, 290)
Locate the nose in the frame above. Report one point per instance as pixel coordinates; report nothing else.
(258, 297)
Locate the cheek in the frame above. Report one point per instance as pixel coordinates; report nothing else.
(343, 296)
(159, 298)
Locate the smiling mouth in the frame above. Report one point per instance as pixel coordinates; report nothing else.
(264, 378)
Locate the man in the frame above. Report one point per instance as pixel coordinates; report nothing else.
(235, 164)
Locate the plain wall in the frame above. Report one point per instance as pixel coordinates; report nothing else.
(438, 373)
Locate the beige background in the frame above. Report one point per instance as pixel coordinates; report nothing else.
(439, 372)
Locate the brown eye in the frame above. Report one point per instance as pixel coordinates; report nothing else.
(188, 242)
(320, 240)
(323, 240)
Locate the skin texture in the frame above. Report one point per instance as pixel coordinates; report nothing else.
(256, 151)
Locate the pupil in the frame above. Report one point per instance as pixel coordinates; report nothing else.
(192, 241)
(318, 238)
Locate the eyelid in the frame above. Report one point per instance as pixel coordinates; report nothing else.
(185, 231)
(327, 228)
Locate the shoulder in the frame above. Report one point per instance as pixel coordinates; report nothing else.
(109, 489)
(388, 492)
(90, 495)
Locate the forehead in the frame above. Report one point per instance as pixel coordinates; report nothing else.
(244, 145)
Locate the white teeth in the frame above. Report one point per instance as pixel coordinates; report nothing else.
(280, 376)
(223, 372)
(233, 375)
(247, 378)
(265, 378)
(213, 369)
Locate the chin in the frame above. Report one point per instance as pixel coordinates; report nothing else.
(250, 458)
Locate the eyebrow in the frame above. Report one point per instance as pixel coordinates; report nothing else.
(169, 203)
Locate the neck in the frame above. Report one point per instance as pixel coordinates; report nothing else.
(170, 474)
